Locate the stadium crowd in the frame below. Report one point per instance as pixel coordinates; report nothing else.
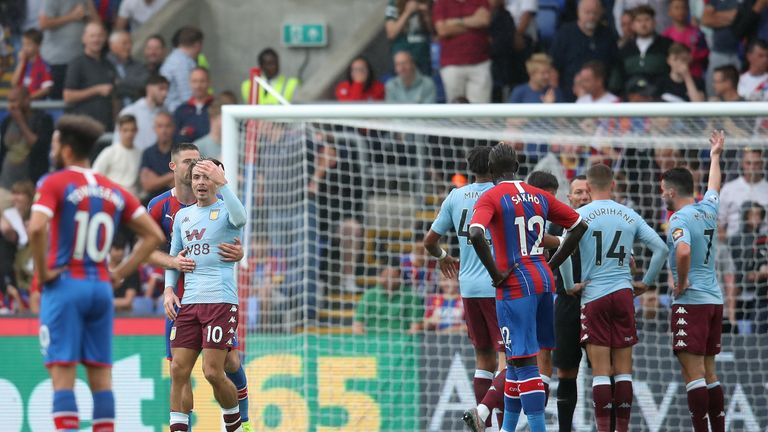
(472, 51)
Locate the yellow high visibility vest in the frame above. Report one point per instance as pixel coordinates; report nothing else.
(285, 86)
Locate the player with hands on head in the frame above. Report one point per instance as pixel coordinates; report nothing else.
(697, 306)
(74, 218)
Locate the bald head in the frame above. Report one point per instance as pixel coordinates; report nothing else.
(94, 37)
(120, 44)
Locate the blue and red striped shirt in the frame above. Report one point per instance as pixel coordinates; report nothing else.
(163, 209)
(516, 213)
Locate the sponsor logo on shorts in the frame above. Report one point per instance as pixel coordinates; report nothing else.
(625, 405)
(681, 344)
(682, 322)
(231, 331)
(233, 308)
(232, 319)
(583, 327)
(229, 342)
(173, 333)
(609, 405)
(681, 310)
(677, 233)
(628, 339)
(583, 316)
(585, 337)
(682, 333)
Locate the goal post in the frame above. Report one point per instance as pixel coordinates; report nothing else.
(338, 197)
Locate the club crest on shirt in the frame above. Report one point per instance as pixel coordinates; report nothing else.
(677, 233)
(214, 214)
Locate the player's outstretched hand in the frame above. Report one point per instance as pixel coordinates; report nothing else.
(449, 266)
(639, 288)
(182, 263)
(577, 289)
(717, 141)
(171, 303)
(213, 172)
(231, 252)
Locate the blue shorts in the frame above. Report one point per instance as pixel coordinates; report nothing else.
(76, 319)
(169, 326)
(527, 324)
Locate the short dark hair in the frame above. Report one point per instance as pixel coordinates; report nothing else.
(214, 160)
(156, 79)
(502, 160)
(756, 43)
(643, 10)
(600, 175)
(677, 49)
(34, 35)
(477, 159)
(371, 75)
(182, 147)
(188, 35)
(543, 180)
(681, 179)
(158, 37)
(265, 52)
(730, 73)
(80, 133)
(126, 118)
(597, 67)
(578, 177)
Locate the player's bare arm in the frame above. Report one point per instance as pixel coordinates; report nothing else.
(38, 245)
(483, 251)
(683, 261)
(717, 142)
(150, 236)
(569, 245)
(449, 266)
(179, 262)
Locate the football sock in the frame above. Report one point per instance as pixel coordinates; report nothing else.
(512, 404)
(603, 400)
(65, 415)
(622, 401)
(104, 411)
(716, 407)
(566, 403)
(232, 419)
(241, 382)
(481, 383)
(545, 379)
(179, 422)
(698, 404)
(494, 397)
(532, 396)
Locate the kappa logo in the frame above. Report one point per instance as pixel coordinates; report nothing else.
(625, 405)
(196, 234)
(627, 339)
(608, 406)
(233, 309)
(583, 327)
(185, 220)
(229, 342)
(681, 344)
(682, 322)
(681, 333)
(681, 310)
(232, 320)
(583, 316)
(585, 337)
(231, 331)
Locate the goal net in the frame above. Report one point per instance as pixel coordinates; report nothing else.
(349, 325)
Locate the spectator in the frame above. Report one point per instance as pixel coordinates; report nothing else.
(388, 307)
(683, 32)
(191, 117)
(749, 186)
(680, 85)
(626, 33)
(126, 293)
(32, 72)
(465, 65)
(148, 300)
(178, 66)
(107, 12)
(155, 174)
(361, 83)
(577, 43)
(210, 144)
(419, 272)
(32, 15)
(719, 15)
(538, 88)
(750, 255)
(145, 110)
(753, 84)
(526, 33)
(591, 82)
(25, 142)
(505, 62)
(120, 161)
(644, 57)
(63, 23)
(409, 26)
(154, 53)
(725, 83)
(15, 260)
(565, 162)
(409, 86)
(131, 75)
(269, 62)
(90, 83)
(134, 13)
(445, 310)
(620, 7)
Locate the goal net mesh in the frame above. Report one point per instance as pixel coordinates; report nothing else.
(337, 211)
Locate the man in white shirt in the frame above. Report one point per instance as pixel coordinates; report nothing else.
(590, 84)
(120, 161)
(144, 111)
(137, 12)
(753, 84)
(524, 14)
(749, 186)
(179, 65)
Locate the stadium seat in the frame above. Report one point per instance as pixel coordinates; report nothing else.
(547, 20)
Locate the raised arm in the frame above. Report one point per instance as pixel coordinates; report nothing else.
(717, 141)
